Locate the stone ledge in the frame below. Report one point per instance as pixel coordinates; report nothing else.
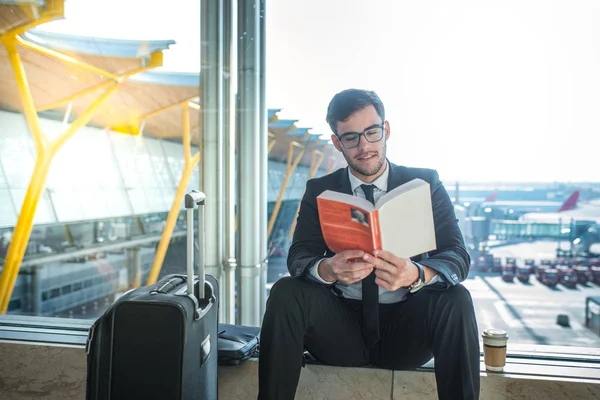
(59, 372)
(321, 382)
(317, 382)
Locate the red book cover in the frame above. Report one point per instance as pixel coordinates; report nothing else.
(348, 226)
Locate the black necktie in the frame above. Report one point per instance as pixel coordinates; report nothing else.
(370, 294)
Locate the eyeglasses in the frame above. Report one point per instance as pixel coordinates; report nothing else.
(372, 134)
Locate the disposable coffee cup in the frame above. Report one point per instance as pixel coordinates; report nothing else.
(494, 349)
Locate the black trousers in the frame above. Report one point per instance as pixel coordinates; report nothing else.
(433, 323)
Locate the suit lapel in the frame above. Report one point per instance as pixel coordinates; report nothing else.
(395, 178)
(344, 182)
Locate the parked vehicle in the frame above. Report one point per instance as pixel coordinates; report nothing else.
(548, 263)
(540, 270)
(497, 265)
(523, 274)
(584, 274)
(549, 277)
(569, 278)
(562, 271)
(508, 273)
(483, 263)
(530, 264)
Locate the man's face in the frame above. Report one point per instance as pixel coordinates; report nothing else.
(367, 158)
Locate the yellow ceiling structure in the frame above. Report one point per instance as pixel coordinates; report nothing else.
(66, 74)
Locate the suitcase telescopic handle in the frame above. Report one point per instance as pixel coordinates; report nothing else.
(192, 199)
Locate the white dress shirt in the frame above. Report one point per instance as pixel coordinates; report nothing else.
(354, 291)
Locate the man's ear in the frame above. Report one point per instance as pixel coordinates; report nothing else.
(387, 130)
(336, 142)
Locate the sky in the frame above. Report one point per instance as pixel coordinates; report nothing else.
(479, 90)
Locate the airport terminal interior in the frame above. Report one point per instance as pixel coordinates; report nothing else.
(99, 145)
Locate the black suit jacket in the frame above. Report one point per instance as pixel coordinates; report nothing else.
(450, 259)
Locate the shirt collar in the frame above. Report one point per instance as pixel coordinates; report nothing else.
(381, 183)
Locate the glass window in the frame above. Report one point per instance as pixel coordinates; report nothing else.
(67, 205)
(17, 154)
(174, 156)
(139, 201)
(125, 150)
(8, 216)
(117, 202)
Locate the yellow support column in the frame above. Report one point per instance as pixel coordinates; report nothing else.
(291, 166)
(190, 163)
(140, 226)
(272, 141)
(315, 164)
(46, 151)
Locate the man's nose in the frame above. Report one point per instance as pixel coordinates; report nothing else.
(364, 145)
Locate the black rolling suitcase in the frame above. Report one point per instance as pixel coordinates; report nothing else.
(159, 341)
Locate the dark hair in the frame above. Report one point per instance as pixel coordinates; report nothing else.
(349, 101)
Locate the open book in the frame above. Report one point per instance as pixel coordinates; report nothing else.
(401, 222)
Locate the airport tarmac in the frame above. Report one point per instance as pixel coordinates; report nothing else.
(528, 312)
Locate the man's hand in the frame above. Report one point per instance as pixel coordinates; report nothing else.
(392, 272)
(346, 267)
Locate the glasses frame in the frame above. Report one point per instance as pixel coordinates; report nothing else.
(361, 135)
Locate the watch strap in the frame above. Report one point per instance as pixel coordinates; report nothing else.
(420, 282)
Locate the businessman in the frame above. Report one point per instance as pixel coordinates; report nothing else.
(354, 308)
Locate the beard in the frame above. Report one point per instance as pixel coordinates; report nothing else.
(371, 170)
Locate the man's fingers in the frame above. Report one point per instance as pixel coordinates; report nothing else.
(385, 275)
(359, 265)
(386, 255)
(383, 283)
(378, 262)
(351, 266)
(351, 277)
(390, 257)
(350, 254)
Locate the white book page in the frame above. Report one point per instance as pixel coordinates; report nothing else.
(406, 224)
(407, 187)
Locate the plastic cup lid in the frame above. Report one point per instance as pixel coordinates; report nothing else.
(495, 333)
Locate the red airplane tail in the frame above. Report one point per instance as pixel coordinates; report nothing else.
(492, 197)
(571, 202)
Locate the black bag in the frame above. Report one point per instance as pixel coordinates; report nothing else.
(159, 341)
(237, 343)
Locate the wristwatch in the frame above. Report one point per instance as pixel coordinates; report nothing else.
(420, 282)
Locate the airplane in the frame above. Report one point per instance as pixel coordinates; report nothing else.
(524, 207)
(585, 211)
(474, 199)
